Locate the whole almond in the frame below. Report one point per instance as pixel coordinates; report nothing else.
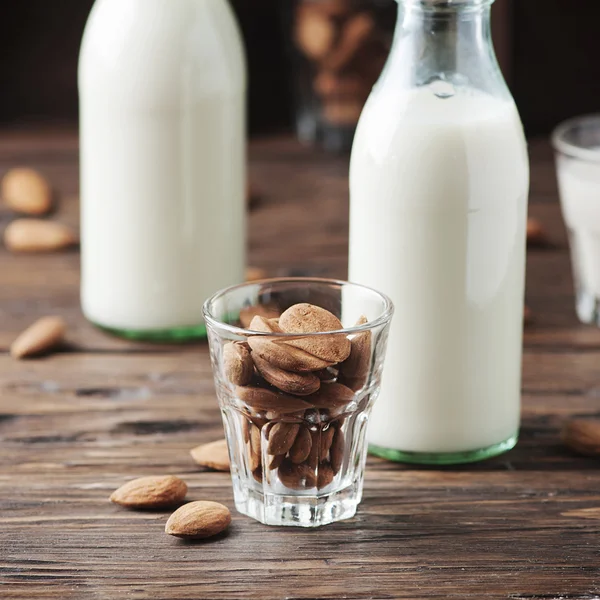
(237, 363)
(313, 456)
(197, 520)
(326, 441)
(276, 461)
(150, 492)
(255, 440)
(299, 384)
(281, 437)
(332, 395)
(26, 191)
(301, 447)
(337, 450)
(262, 399)
(213, 455)
(36, 235)
(308, 318)
(355, 369)
(296, 477)
(45, 334)
(325, 475)
(284, 354)
(582, 436)
(268, 311)
(254, 459)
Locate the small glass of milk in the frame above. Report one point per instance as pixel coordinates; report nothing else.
(297, 365)
(577, 146)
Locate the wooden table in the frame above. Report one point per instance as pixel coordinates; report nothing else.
(76, 425)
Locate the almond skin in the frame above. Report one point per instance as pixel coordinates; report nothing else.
(355, 369)
(237, 363)
(282, 437)
(150, 492)
(26, 191)
(336, 452)
(213, 455)
(582, 436)
(198, 520)
(332, 395)
(46, 333)
(325, 475)
(301, 447)
(308, 318)
(262, 399)
(283, 354)
(299, 384)
(36, 235)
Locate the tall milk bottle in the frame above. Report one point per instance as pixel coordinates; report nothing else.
(439, 181)
(162, 126)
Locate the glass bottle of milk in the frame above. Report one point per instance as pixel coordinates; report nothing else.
(439, 182)
(162, 126)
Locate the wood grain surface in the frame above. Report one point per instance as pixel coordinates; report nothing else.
(76, 425)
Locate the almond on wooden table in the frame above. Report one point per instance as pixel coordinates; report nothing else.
(150, 492)
(583, 436)
(213, 455)
(198, 520)
(37, 235)
(44, 335)
(24, 190)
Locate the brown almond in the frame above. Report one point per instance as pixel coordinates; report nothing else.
(255, 440)
(313, 456)
(196, 520)
(150, 492)
(44, 335)
(36, 235)
(265, 325)
(299, 384)
(308, 318)
(237, 363)
(276, 461)
(213, 455)
(258, 475)
(26, 191)
(355, 369)
(332, 395)
(301, 447)
(281, 353)
(263, 399)
(268, 311)
(582, 436)
(326, 441)
(296, 477)
(254, 459)
(325, 475)
(337, 450)
(281, 437)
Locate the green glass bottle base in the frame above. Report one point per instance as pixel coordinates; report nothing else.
(174, 335)
(445, 458)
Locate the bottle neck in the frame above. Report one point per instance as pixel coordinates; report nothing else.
(448, 40)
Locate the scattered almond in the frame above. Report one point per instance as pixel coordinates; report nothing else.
(36, 235)
(582, 436)
(26, 191)
(213, 455)
(44, 335)
(150, 492)
(198, 520)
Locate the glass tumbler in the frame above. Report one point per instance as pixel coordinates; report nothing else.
(297, 435)
(577, 149)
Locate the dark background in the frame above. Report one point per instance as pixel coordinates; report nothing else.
(553, 65)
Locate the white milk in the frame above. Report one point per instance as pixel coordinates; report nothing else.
(438, 211)
(162, 160)
(579, 184)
